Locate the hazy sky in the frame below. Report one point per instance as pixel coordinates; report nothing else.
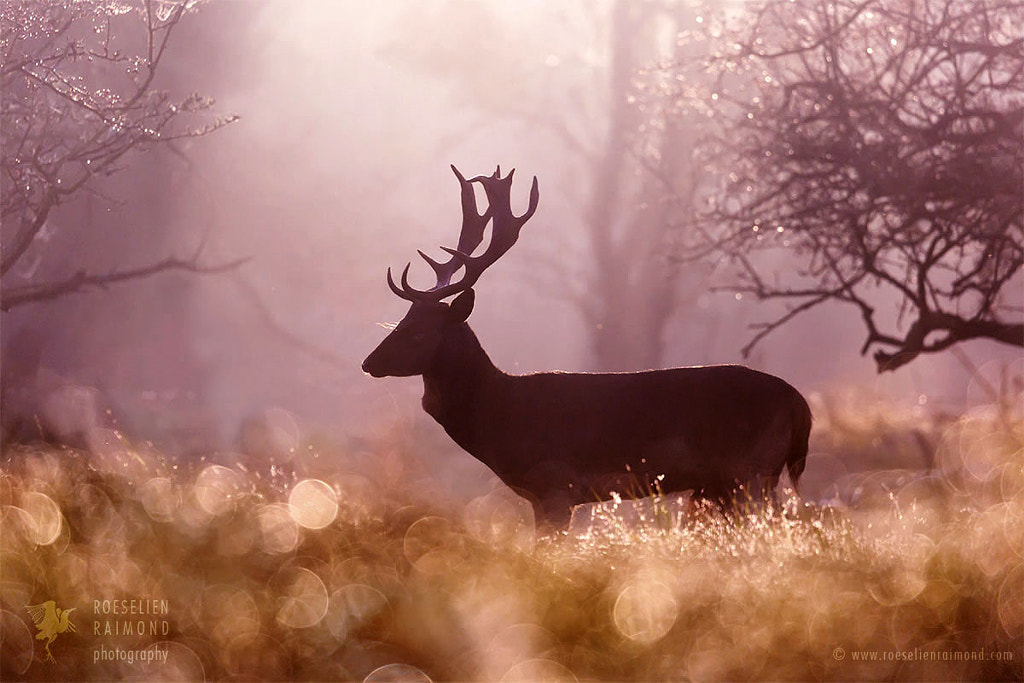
(338, 168)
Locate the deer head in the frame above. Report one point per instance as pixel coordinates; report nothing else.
(414, 342)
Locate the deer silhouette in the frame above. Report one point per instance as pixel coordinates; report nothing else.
(561, 439)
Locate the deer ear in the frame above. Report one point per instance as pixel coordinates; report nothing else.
(462, 306)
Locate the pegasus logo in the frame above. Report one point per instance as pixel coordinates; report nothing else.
(51, 621)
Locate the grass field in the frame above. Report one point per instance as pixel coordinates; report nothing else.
(316, 570)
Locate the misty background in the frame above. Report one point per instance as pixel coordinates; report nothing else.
(350, 114)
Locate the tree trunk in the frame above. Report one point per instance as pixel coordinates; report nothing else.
(633, 286)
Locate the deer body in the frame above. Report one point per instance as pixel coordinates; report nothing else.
(567, 438)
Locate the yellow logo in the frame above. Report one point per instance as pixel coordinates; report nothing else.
(51, 621)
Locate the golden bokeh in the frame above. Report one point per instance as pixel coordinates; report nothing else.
(313, 504)
(301, 597)
(645, 610)
(41, 519)
(321, 573)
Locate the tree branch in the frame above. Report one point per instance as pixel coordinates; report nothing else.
(956, 329)
(11, 297)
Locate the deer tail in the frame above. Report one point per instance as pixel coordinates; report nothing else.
(801, 431)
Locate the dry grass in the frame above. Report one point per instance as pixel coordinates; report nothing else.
(318, 572)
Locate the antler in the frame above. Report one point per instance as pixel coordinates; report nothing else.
(505, 228)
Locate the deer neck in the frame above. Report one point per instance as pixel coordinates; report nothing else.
(457, 383)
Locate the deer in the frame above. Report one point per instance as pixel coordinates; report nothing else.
(565, 438)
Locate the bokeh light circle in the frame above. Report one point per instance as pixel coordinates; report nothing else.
(353, 608)
(432, 546)
(397, 673)
(301, 597)
(279, 533)
(645, 611)
(43, 518)
(314, 504)
(216, 489)
(160, 498)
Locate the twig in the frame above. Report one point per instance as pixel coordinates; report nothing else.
(24, 294)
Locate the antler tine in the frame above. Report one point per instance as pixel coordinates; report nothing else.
(499, 195)
(441, 270)
(470, 236)
(393, 286)
(405, 291)
(473, 222)
(506, 225)
(504, 233)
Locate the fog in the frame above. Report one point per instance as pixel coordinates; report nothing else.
(350, 114)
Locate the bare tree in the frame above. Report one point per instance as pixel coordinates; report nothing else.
(79, 97)
(877, 143)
